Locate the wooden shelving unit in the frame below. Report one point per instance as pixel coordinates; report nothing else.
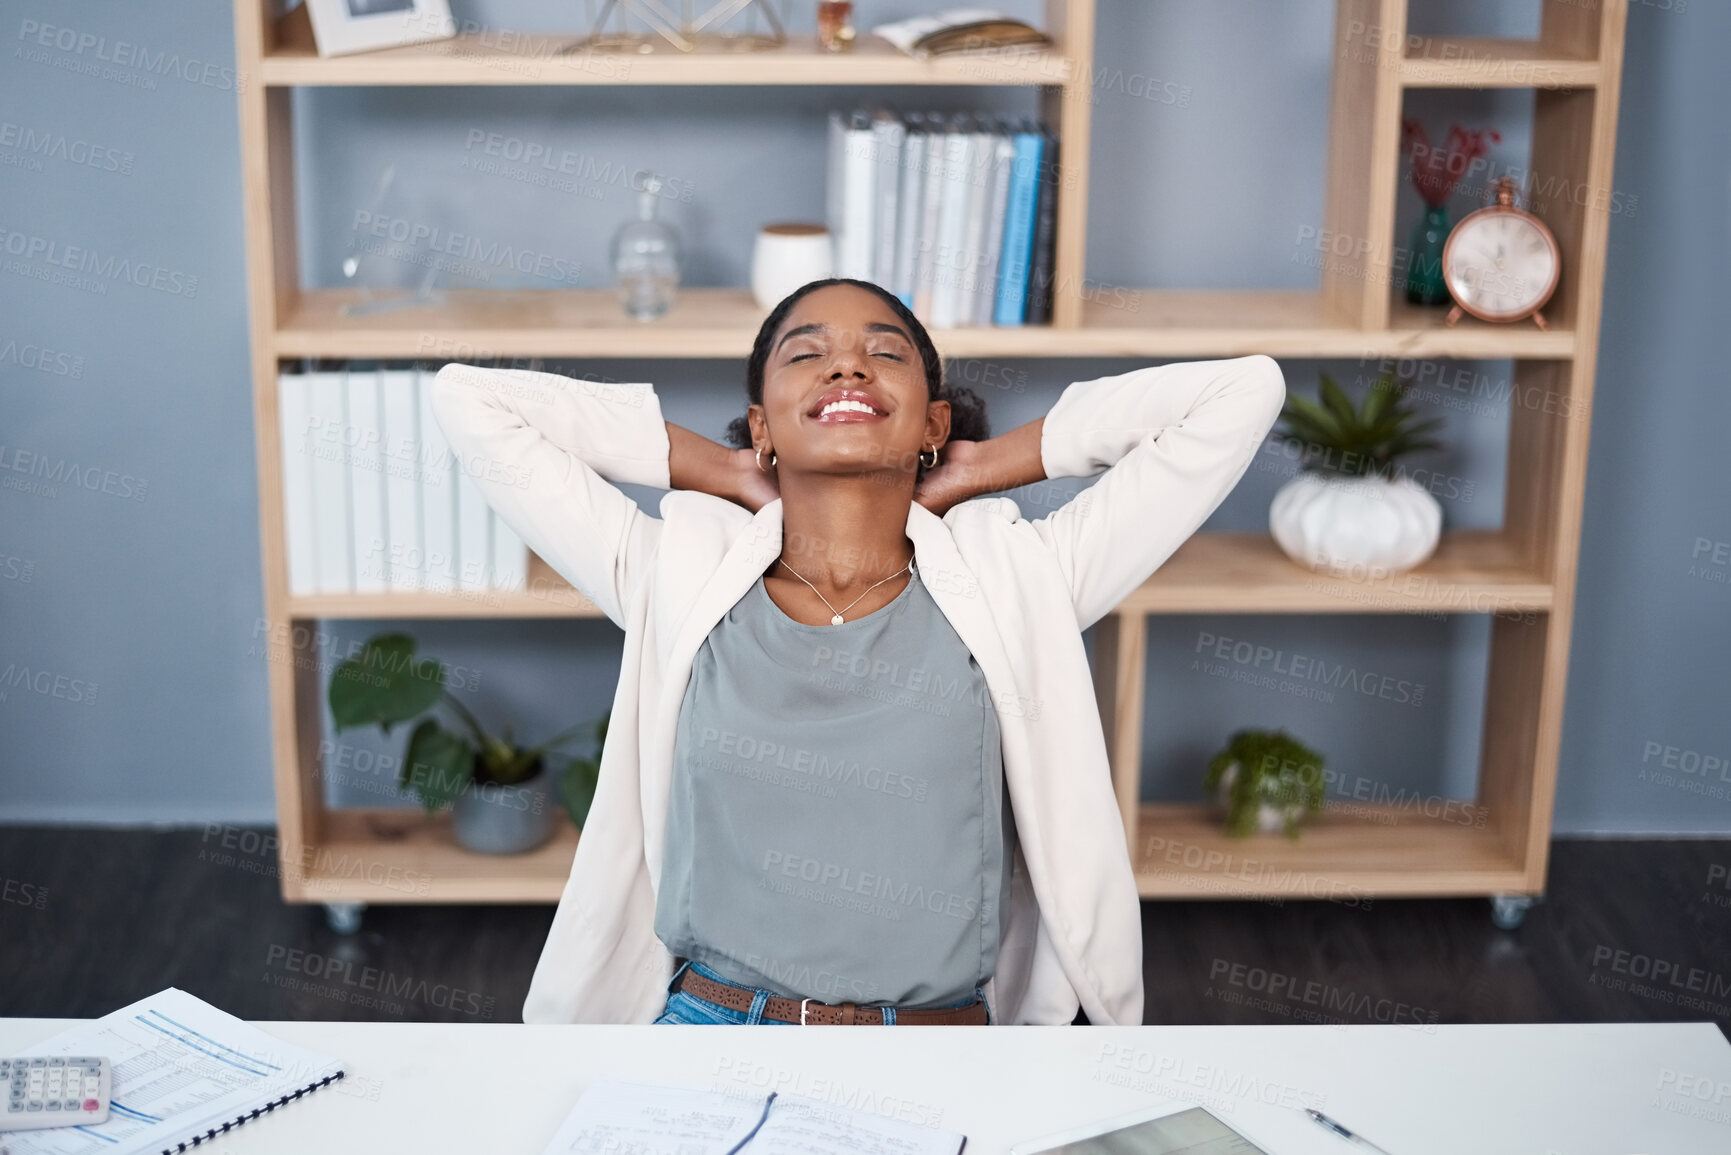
(1522, 574)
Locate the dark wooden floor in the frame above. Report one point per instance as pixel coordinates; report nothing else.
(1630, 931)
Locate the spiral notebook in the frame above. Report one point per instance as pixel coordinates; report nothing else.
(184, 1072)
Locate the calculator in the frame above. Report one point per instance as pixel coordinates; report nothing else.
(56, 1091)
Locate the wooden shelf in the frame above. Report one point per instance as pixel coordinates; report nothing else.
(471, 324)
(505, 58)
(1282, 323)
(1351, 851)
(1472, 571)
(1484, 62)
(403, 856)
(1524, 574)
(547, 595)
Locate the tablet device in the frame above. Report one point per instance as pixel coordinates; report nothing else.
(1172, 1128)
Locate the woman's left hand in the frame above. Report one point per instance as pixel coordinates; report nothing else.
(968, 469)
(963, 471)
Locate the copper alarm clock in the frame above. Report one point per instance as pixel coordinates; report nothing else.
(1501, 263)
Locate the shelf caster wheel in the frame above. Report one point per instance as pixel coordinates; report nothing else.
(344, 917)
(1509, 911)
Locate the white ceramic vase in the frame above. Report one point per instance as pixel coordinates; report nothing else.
(1270, 819)
(786, 256)
(1360, 527)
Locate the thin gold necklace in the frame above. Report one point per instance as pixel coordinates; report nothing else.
(836, 620)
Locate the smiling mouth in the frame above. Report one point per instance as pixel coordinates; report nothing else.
(846, 410)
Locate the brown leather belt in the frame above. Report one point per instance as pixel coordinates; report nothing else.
(809, 1012)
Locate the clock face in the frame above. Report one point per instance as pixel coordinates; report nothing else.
(1500, 264)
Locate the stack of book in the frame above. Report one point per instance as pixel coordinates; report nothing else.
(955, 214)
(375, 499)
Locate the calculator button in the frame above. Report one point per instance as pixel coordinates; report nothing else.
(56, 1062)
(34, 1106)
(92, 1105)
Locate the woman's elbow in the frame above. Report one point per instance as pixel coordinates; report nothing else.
(1269, 384)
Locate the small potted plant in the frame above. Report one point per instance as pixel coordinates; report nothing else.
(498, 791)
(1265, 780)
(1349, 509)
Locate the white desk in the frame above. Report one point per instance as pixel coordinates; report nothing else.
(498, 1089)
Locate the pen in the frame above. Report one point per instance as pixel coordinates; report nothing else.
(1349, 1136)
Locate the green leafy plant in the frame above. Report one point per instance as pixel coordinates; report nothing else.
(577, 781)
(1336, 437)
(385, 684)
(1266, 768)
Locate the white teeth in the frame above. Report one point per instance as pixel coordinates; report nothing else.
(838, 406)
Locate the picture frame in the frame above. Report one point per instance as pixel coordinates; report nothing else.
(341, 27)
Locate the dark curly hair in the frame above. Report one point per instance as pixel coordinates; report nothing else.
(967, 411)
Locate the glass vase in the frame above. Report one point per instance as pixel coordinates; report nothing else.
(1424, 271)
(646, 258)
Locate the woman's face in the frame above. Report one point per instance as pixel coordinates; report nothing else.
(841, 343)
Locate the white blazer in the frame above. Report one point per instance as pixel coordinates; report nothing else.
(1172, 439)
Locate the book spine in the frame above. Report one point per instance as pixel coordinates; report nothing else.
(832, 193)
(911, 212)
(952, 225)
(974, 231)
(1042, 273)
(1003, 149)
(937, 149)
(435, 471)
(294, 421)
(510, 557)
(1019, 230)
(366, 481)
(405, 551)
(330, 483)
(474, 542)
(859, 182)
(888, 133)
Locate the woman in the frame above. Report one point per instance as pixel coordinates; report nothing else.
(854, 769)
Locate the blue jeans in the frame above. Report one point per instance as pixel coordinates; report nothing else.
(685, 1007)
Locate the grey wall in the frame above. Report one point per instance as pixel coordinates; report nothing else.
(134, 678)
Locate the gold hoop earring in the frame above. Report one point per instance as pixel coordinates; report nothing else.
(760, 459)
(934, 457)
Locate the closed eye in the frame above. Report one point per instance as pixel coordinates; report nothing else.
(803, 356)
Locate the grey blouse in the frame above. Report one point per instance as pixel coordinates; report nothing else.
(837, 828)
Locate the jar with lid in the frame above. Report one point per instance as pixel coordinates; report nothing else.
(646, 256)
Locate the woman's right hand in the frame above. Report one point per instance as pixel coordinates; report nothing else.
(697, 463)
(754, 488)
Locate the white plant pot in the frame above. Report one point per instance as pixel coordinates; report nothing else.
(1270, 819)
(1358, 527)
